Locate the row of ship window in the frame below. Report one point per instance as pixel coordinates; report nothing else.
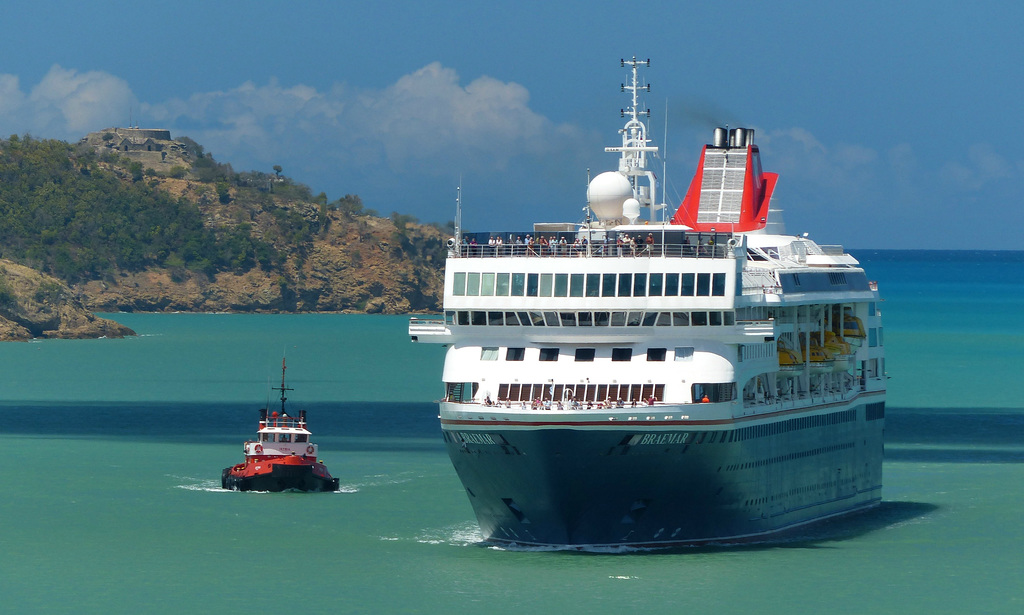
(604, 395)
(681, 353)
(699, 318)
(480, 284)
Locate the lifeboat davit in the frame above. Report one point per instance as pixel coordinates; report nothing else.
(838, 348)
(789, 361)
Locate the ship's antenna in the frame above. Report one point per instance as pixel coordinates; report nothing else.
(664, 170)
(283, 388)
(267, 403)
(458, 217)
(635, 144)
(590, 212)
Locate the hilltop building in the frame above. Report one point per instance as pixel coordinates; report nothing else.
(153, 147)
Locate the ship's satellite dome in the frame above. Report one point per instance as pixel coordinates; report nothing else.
(631, 209)
(606, 194)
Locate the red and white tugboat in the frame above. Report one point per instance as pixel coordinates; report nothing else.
(282, 457)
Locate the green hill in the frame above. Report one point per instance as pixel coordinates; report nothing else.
(170, 228)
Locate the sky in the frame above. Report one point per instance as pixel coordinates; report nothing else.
(891, 124)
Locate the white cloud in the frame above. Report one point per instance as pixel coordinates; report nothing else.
(12, 100)
(65, 104)
(983, 166)
(426, 121)
(797, 153)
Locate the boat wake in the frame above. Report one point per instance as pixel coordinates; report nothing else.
(200, 484)
(381, 480)
(461, 535)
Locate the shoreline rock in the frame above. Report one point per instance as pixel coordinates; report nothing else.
(37, 306)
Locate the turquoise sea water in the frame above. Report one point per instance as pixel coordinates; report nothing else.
(110, 499)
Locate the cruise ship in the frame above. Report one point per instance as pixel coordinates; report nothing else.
(636, 379)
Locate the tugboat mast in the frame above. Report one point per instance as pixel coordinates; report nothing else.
(283, 388)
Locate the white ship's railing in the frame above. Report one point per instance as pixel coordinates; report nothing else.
(593, 250)
(760, 281)
(757, 328)
(427, 326)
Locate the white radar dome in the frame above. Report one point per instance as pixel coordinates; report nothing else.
(606, 194)
(631, 209)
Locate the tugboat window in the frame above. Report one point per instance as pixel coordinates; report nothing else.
(301, 437)
(268, 437)
(284, 437)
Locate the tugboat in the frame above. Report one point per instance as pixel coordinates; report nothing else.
(282, 458)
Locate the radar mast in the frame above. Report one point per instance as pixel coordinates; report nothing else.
(635, 144)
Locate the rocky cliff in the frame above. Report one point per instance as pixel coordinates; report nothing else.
(33, 305)
(359, 263)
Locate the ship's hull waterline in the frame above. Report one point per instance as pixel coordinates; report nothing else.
(637, 486)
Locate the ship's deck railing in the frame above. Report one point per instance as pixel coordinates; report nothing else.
(676, 244)
(285, 422)
(595, 250)
(549, 404)
(760, 281)
(424, 326)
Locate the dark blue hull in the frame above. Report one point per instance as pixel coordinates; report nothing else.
(633, 486)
